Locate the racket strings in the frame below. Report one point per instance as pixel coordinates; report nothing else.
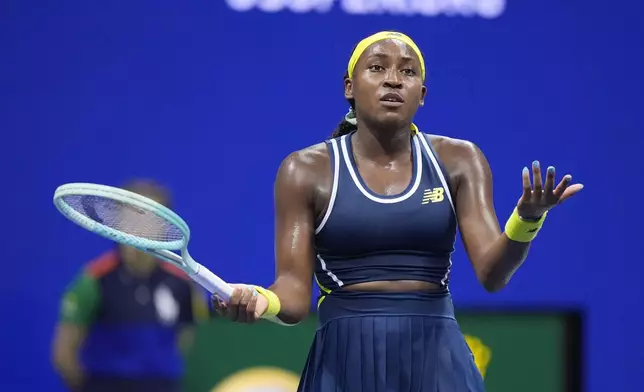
(124, 217)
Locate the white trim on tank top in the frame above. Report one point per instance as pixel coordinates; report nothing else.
(356, 181)
(438, 171)
(441, 176)
(334, 189)
(328, 272)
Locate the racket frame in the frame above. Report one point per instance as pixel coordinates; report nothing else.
(159, 249)
(123, 196)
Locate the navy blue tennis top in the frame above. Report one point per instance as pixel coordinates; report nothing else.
(366, 237)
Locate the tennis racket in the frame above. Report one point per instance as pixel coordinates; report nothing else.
(131, 219)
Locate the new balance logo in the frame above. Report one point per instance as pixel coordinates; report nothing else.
(435, 195)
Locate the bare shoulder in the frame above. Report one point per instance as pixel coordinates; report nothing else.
(452, 148)
(461, 158)
(311, 156)
(308, 160)
(457, 153)
(304, 167)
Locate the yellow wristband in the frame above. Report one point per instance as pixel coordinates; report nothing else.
(520, 230)
(273, 302)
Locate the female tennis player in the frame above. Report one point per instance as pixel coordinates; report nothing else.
(372, 213)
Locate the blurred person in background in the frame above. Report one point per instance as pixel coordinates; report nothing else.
(127, 320)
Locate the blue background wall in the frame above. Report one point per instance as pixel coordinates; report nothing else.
(209, 101)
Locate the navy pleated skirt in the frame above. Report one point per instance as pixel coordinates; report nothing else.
(389, 342)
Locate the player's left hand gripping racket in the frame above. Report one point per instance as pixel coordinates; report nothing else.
(131, 219)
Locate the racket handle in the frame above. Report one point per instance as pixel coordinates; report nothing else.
(212, 283)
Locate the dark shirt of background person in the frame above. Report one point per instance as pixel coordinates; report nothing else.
(125, 320)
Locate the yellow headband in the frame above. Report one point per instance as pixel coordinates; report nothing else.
(381, 36)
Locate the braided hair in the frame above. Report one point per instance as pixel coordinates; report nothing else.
(348, 123)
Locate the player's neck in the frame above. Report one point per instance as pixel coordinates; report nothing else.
(379, 144)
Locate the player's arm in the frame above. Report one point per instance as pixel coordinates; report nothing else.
(496, 256)
(294, 233)
(493, 255)
(77, 312)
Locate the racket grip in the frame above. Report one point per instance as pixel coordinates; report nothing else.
(212, 283)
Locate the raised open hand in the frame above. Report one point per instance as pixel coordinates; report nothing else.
(538, 198)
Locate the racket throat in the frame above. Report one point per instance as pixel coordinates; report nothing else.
(183, 261)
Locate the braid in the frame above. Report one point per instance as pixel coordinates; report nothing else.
(345, 127)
